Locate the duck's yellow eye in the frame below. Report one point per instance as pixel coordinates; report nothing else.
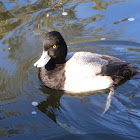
(54, 46)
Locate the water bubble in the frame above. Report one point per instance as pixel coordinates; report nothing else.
(35, 103)
(103, 38)
(34, 112)
(131, 19)
(64, 13)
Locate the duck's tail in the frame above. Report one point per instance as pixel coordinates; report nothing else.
(125, 74)
(137, 75)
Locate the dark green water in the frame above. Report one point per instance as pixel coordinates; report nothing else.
(103, 26)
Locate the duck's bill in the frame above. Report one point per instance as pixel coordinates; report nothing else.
(44, 59)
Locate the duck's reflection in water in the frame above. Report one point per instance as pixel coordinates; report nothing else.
(52, 103)
(51, 107)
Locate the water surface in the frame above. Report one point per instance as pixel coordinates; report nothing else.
(28, 109)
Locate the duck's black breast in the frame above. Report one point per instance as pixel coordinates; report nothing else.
(53, 77)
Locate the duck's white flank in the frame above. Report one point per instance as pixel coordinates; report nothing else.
(81, 72)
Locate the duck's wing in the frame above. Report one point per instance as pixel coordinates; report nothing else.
(85, 63)
(97, 64)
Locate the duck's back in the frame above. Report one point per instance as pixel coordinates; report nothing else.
(84, 64)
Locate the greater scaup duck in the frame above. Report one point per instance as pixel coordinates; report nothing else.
(78, 71)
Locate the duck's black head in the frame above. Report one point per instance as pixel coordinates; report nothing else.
(54, 48)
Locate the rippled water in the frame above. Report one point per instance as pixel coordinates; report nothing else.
(28, 109)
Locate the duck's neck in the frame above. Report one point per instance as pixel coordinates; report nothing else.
(59, 61)
(52, 63)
